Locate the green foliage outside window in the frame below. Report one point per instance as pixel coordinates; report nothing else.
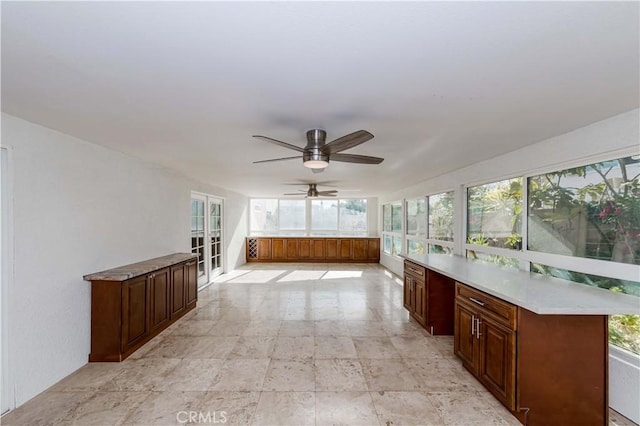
(494, 214)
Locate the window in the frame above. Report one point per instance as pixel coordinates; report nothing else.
(416, 225)
(353, 217)
(292, 215)
(494, 222)
(441, 216)
(392, 218)
(263, 216)
(440, 223)
(325, 217)
(591, 211)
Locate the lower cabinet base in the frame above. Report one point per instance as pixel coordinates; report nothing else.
(118, 357)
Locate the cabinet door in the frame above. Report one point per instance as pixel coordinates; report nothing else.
(419, 302)
(465, 342)
(344, 248)
(359, 248)
(191, 276)
(292, 249)
(373, 249)
(304, 249)
(408, 290)
(331, 248)
(134, 311)
(264, 248)
(317, 249)
(178, 290)
(497, 360)
(159, 295)
(277, 249)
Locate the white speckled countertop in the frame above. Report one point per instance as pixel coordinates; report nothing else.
(534, 292)
(132, 270)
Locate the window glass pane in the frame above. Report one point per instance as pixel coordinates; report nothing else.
(396, 217)
(591, 211)
(416, 217)
(386, 218)
(438, 249)
(263, 215)
(292, 214)
(494, 213)
(353, 216)
(493, 259)
(387, 244)
(441, 216)
(396, 247)
(324, 215)
(624, 330)
(415, 247)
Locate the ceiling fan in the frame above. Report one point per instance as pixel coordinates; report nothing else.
(316, 154)
(313, 192)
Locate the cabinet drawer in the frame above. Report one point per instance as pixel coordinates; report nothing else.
(493, 307)
(417, 271)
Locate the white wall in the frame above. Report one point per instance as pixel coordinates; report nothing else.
(616, 136)
(80, 208)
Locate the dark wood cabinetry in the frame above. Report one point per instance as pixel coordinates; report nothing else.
(485, 340)
(316, 249)
(428, 296)
(133, 303)
(546, 369)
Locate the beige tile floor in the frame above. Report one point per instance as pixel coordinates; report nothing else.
(281, 344)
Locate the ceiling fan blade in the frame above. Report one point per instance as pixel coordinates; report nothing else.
(353, 158)
(276, 159)
(317, 170)
(328, 193)
(294, 193)
(346, 142)
(277, 142)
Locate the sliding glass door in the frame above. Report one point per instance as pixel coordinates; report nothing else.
(207, 236)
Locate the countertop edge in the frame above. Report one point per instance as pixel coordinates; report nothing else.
(133, 270)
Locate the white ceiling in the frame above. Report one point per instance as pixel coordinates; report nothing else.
(440, 85)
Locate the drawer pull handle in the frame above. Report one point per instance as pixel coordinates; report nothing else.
(476, 301)
(473, 325)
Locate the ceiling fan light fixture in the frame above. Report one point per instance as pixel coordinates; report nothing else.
(316, 164)
(315, 160)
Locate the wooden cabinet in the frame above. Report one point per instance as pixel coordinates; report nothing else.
(133, 303)
(134, 313)
(264, 248)
(316, 249)
(178, 290)
(159, 297)
(278, 249)
(428, 296)
(304, 250)
(191, 275)
(485, 340)
(331, 247)
(183, 288)
(414, 293)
